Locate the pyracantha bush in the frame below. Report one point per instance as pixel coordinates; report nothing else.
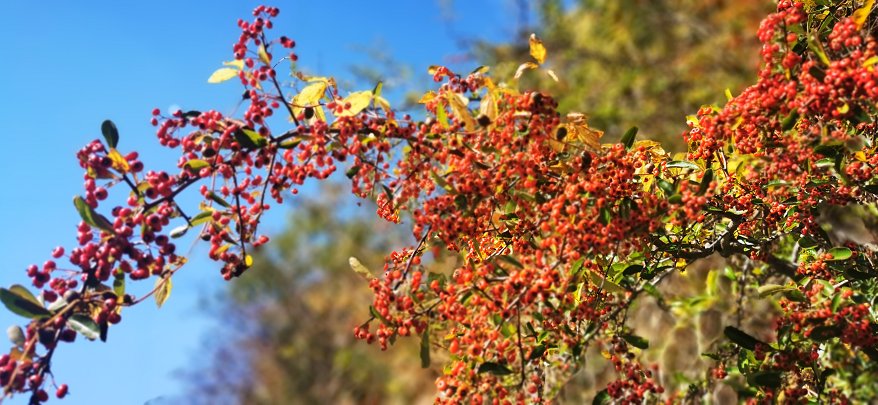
(558, 234)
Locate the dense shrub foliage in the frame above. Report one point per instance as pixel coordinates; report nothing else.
(558, 234)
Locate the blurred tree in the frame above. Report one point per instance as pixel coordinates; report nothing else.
(645, 63)
(287, 326)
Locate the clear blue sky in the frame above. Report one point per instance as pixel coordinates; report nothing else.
(70, 65)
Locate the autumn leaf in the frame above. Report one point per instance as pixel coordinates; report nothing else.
(537, 50)
(163, 287)
(576, 130)
(488, 108)
(119, 162)
(360, 269)
(263, 56)
(310, 97)
(359, 101)
(458, 103)
(427, 97)
(237, 64)
(524, 66)
(862, 13)
(222, 74)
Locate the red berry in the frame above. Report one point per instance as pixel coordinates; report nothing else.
(58, 252)
(62, 391)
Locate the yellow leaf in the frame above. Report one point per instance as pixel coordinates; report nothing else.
(310, 97)
(843, 109)
(263, 56)
(383, 103)
(488, 107)
(860, 155)
(480, 70)
(524, 66)
(579, 131)
(433, 69)
(359, 101)
(163, 290)
(360, 269)
(871, 61)
(222, 74)
(248, 261)
(537, 50)
(119, 162)
(458, 103)
(237, 64)
(862, 13)
(427, 97)
(655, 150)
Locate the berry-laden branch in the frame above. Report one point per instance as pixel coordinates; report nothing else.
(558, 234)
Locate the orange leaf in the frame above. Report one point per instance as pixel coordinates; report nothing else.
(862, 13)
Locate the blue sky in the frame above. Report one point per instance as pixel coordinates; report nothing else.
(70, 65)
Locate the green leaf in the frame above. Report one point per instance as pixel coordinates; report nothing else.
(854, 274)
(633, 269)
(250, 139)
(636, 341)
(111, 134)
(91, 217)
(628, 138)
(374, 312)
(666, 186)
(441, 116)
(606, 215)
(494, 368)
(771, 289)
(537, 352)
(742, 338)
(602, 398)
(202, 217)
(511, 260)
(795, 295)
(425, 348)
(441, 181)
(119, 285)
(20, 301)
(771, 379)
(576, 267)
(790, 121)
(840, 253)
(290, 143)
(829, 150)
(807, 242)
(196, 164)
(350, 173)
(219, 200)
(85, 326)
(705, 181)
(682, 164)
